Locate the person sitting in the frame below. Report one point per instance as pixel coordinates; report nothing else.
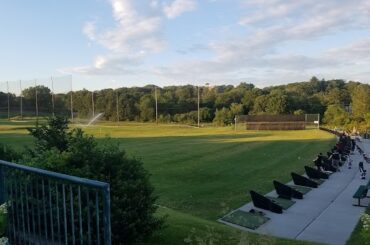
(335, 160)
(362, 170)
(318, 161)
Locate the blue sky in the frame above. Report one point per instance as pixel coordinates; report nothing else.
(112, 43)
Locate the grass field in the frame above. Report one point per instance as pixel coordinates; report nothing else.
(201, 174)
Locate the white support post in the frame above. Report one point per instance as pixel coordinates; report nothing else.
(21, 98)
(235, 120)
(52, 96)
(7, 87)
(92, 104)
(156, 105)
(117, 105)
(71, 100)
(36, 101)
(198, 108)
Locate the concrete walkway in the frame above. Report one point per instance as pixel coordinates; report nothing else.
(326, 214)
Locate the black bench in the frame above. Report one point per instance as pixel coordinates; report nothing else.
(361, 193)
(260, 201)
(301, 180)
(315, 174)
(286, 192)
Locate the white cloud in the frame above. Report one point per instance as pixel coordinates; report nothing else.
(111, 64)
(284, 22)
(89, 30)
(177, 7)
(133, 36)
(256, 52)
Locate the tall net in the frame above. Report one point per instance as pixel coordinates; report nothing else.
(312, 120)
(36, 98)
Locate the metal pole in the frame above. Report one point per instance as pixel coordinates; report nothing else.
(198, 108)
(71, 101)
(52, 95)
(318, 121)
(117, 106)
(20, 86)
(92, 103)
(156, 105)
(36, 105)
(7, 87)
(235, 122)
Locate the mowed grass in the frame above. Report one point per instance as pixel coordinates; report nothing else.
(200, 174)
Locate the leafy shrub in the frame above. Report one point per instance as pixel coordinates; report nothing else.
(7, 153)
(75, 153)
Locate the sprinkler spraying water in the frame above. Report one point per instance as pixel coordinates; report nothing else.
(94, 119)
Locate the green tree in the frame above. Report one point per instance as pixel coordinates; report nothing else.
(44, 98)
(236, 109)
(361, 100)
(147, 105)
(223, 117)
(336, 115)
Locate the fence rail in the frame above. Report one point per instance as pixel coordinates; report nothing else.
(46, 207)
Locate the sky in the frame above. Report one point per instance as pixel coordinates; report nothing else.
(115, 43)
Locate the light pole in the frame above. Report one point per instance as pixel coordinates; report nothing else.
(198, 108)
(156, 104)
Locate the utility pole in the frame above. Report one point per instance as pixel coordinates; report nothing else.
(36, 101)
(235, 120)
(198, 108)
(52, 95)
(7, 87)
(92, 104)
(71, 100)
(117, 106)
(20, 87)
(156, 105)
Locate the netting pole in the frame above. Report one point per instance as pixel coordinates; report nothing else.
(36, 101)
(92, 103)
(198, 108)
(52, 95)
(156, 105)
(7, 87)
(117, 95)
(235, 123)
(20, 87)
(71, 100)
(318, 121)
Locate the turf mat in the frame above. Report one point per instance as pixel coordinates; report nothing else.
(246, 219)
(284, 203)
(301, 189)
(318, 181)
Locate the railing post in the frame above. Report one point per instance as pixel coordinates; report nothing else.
(30, 216)
(2, 186)
(106, 210)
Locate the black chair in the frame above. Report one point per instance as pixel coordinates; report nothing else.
(301, 180)
(286, 192)
(263, 202)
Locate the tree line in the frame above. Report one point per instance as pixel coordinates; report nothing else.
(339, 102)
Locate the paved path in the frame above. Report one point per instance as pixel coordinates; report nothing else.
(326, 214)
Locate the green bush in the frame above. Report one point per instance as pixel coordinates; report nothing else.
(72, 152)
(7, 153)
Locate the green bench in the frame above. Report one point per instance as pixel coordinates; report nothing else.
(368, 184)
(361, 193)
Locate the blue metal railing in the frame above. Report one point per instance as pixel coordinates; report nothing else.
(46, 207)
